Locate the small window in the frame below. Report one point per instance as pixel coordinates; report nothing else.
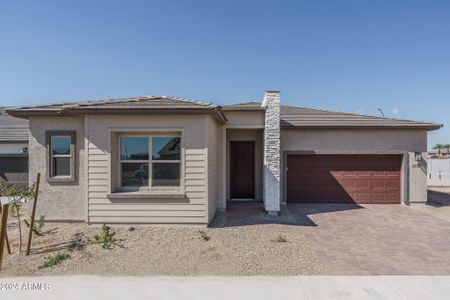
(61, 155)
(147, 161)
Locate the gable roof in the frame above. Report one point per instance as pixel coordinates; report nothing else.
(133, 105)
(12, 129)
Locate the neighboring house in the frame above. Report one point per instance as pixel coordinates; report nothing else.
(13, 149)
(167, 160)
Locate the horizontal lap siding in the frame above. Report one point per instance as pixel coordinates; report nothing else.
(191, 210)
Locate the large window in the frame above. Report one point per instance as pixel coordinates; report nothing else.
(148, 161)
(61, 155)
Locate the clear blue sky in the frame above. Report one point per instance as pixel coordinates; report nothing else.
(352, 56)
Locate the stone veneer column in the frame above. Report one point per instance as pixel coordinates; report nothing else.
(272, 152)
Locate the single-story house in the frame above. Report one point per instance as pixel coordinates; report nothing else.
(13, 149)
(169, 160)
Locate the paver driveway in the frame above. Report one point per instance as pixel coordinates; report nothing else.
(352, 239)
(376, 239)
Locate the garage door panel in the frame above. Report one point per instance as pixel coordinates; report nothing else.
(362, 173)
(344, 178)
(362, 184)
(14, 170)
(393, 185)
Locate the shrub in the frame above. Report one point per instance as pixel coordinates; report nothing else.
(37, 226)
(106, 238)
(204, 235)
(280, 239)
(17, 196)
(55, 259)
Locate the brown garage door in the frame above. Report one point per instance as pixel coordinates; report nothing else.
(343, 178)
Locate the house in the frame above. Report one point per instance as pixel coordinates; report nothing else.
(13, 149)
(168, 160)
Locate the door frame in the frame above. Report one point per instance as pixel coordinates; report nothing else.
(253, 166)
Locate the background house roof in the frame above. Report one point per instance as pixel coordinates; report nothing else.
(12, 129)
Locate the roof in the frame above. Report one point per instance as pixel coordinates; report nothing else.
(12, 129)
(293, 116)
(140, 104)
(250, 106)
(304, 117)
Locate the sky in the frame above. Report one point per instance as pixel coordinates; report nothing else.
(353, 56)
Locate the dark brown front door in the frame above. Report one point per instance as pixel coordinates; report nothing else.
(344, 178)
(242, 170)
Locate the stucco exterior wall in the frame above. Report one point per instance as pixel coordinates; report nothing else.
(245, 118)
(57, 201)
(394, 141)
(417, 179)
(354, 140)
(192, 209)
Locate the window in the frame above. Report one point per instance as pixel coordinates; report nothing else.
(149, 161)
(61, 155)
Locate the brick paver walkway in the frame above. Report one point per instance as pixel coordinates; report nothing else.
(376, 239)
(352, 239)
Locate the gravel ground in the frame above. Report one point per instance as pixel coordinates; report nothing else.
(245, 250)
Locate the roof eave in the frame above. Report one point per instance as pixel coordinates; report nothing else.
(427, 127)
(25, 114)
(244, 109)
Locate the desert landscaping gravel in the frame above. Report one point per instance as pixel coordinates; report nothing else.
(147, 250)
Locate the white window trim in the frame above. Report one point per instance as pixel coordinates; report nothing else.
(150, 161)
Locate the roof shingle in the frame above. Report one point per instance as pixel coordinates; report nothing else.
(303, 117)
(12, 129)
(292, 116)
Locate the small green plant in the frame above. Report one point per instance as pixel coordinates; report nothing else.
(280, 239)
(37, 226)
(55, 259)
(204, 235)
(17, 195)
(106, 238)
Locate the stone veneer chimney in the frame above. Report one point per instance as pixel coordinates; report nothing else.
(271, 183)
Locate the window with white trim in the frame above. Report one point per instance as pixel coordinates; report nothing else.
(149, 160)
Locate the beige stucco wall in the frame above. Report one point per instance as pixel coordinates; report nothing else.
(57, 201)
(397, 141)
(245, 118)
(417, 179)
(255, 135)
(190, 210)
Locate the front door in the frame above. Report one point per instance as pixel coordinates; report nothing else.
(242, 170)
